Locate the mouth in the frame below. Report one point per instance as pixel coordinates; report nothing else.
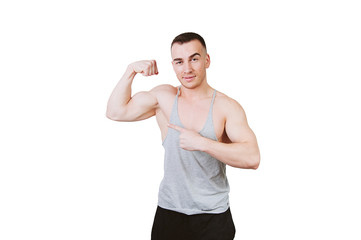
(189, 78)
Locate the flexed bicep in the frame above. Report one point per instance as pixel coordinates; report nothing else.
(141, 106)
(121, 106)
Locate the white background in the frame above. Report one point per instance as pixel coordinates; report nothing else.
(67, 172)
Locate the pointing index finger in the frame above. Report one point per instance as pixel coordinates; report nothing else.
(175, 127)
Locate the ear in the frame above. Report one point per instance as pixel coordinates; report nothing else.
(208, 60)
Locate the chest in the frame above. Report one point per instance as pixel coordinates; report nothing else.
(192, 115)
(201, 114)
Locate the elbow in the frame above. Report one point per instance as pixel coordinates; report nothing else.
(252, 162)
(256, 159)
(255, 165)
(110, 116)
(115, 115)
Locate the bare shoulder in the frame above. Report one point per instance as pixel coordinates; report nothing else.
(164, 89)
(235, 120)
(227, 105)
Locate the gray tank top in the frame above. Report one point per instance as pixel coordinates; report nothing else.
(194, 182)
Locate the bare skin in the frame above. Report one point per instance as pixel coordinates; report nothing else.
(236, 146)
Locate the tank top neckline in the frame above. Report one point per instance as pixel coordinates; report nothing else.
(209, 119)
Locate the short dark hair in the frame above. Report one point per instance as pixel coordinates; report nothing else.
(187, 37)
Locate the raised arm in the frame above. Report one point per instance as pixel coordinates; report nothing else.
(122, 106)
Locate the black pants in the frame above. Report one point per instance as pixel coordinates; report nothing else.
(170, 225)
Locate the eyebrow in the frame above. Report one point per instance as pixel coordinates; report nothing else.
(194, 54)
(191, 56)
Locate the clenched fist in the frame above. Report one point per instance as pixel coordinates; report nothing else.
(145, 67)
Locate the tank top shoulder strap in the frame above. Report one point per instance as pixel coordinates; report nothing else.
(208, 129)
(174, 119)
(214, 96)
(210, 115)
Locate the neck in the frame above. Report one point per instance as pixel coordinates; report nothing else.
(201, 91)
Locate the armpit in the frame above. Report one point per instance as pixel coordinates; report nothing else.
(225, 138)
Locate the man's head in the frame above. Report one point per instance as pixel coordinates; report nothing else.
(190, 59)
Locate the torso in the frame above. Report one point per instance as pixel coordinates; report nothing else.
(193, 114)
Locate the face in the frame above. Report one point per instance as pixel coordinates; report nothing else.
(190, 61)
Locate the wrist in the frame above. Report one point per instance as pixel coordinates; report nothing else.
(130, 70)
(204, 144)
(129, 73)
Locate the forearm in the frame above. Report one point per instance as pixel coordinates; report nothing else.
(121, 94)
(240, 155)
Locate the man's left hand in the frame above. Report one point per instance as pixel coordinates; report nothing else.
(188, 139)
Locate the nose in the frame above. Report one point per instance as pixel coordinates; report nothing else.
(187, 67)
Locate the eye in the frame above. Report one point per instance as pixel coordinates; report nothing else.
(194, 59)
(178, 62)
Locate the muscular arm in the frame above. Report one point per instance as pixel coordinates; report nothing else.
(243, 150)
(122, 106)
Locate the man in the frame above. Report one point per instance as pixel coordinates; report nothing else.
(203, 130)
